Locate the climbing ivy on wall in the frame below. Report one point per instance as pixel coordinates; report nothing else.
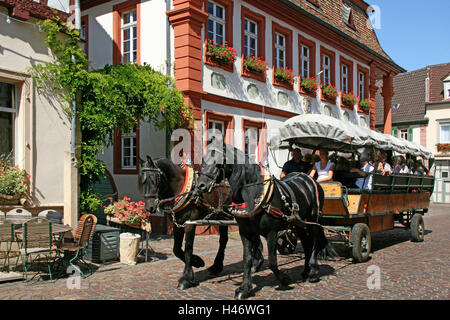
(110, 98)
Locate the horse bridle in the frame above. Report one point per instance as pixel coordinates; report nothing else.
(213, 178)
(159, 177)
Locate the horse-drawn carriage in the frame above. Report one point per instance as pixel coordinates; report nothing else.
(353, 213)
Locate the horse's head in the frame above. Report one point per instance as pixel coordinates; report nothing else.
(149, 183)
(213, 170)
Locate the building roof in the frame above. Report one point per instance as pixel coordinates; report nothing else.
(409, 94)
(437, 73)
(331, 12)
(23, 9)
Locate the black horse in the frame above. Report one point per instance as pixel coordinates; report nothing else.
(162, 179)
(246, 182)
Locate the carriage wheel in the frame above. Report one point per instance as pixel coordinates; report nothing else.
(286, 242)
(361, 242)
(417, 228)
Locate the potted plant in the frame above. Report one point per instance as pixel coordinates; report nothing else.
(309, 85)
(348, 99)
(255, 64)
(222, 54)
(443, 147)
(127, 212)
(364, 105)
(284, 75)
(329, 92)
(13, 183)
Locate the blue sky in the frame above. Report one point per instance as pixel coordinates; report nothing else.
(414, 33)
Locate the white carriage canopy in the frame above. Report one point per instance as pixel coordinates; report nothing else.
(316, 131)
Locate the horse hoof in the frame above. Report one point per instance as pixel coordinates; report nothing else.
(197, 262)
(285, 280)
(241, 295)
(183, 285)
(215, 270)
(313, 279)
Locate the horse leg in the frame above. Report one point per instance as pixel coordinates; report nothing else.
(246, 288)
(217, 267)
(257, 255)
(178, 236)
(313, 261)
(305, 239)
(188, 278)
(272, 237)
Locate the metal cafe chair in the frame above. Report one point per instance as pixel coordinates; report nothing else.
(36, 244)
(73, 252)
(18, 215)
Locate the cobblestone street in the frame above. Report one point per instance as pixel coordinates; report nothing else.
(408, 271)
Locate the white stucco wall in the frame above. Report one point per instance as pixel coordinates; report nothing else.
(43, 131)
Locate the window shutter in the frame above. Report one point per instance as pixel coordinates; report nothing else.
(410, 134)
(395, 132)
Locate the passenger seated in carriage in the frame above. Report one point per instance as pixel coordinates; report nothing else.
(365, 181)
(401, 166)
(382, 166)
(324, 168)
(344, 174)
(295, 164)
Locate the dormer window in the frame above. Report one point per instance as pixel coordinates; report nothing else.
(347, 16)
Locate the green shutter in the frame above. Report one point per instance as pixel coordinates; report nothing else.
(410, 134)
(395, 132)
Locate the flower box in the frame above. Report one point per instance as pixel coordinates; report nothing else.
(221, 56)
(127, 212)
(443, 147)
(255, 68)
(364, 106)
(13, 183)
(284, 77)
(348, 100)
(329, 93)
(143, 225)
(308, 86)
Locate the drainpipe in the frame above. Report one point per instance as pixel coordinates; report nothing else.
(74, 101)
(168, 72)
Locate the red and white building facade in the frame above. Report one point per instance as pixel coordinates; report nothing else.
(328, 39)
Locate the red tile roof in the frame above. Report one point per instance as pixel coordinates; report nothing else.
(22, 9)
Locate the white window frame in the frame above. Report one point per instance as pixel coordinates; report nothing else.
(361, 81)
(217, 21)
(131, 26)
(248, 35)
(280, 50)
(132, 137)
(404, 134)
(212, 125)
(344, 71)
(305, 67)
(447, 124)
(250, 144)
(13, 112)
(326, 75)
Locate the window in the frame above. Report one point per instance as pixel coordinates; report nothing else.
(129, 149)
(84, 34)
(220, 124)
(344, 78)
(126, 151)
(7, 118)
(361, 86)
(251, 143)
(216, 23)
(126, 32)
(254, 139)
(129, 37)
(326, 69)
(444, 134)
(250, 38)
(305, 65)
(327, 65)
(215, 128)
(307, 57)
(280, 51)
(404, 134)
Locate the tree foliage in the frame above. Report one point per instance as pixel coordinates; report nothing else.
(114, 97)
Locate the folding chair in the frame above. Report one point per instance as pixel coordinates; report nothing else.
(19, 215)
(36, 244)
(74, 251)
